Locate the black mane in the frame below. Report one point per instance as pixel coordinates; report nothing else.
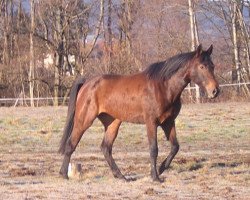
(165, 69)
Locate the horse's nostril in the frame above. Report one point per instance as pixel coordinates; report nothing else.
(216, 91)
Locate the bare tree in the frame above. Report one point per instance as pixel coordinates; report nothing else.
(97, 31)
(235, 30)
(109, 36)
(32, 59)
(6, 32)
(194, 40)
(239, 39)
(62, 27)
(59, 38)
(237, 36)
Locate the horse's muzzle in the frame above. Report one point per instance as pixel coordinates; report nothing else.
(214, 93)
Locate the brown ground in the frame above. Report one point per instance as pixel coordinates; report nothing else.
(213, 161)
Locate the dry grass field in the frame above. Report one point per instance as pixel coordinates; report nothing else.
(213, 161)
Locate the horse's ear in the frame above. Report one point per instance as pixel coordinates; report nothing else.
(210, 50)
(199, 50)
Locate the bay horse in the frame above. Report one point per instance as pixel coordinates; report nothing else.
(150, 97)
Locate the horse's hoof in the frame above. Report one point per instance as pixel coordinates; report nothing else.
(64, 175)
(123, 178)
(119, 176)
(163, 167)
(130, 179)
(158, 180)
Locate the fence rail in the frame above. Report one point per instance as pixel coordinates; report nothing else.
(50, 100)
(24, 101)
(226, 85)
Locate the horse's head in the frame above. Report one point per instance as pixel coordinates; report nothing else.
(201, 71)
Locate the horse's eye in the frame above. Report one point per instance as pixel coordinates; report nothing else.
(201, 66)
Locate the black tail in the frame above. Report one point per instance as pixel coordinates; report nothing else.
(71, 112)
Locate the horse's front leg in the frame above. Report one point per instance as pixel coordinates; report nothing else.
(153, 149)
(170, 132)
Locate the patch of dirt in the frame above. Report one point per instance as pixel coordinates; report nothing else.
(24, 171)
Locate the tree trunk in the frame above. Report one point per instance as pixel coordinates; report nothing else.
(109, 36)
(127, 23)
(109, 24)
(191, 19)
(6, 30)
(17, 41)
(32, 59)
(243, 37)
(194, 42)
(97, 32)
(236, 67)
(11, 51)
(59, 34)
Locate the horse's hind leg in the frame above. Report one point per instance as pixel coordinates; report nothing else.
(83, 120)
(111, 131)
(170, 132)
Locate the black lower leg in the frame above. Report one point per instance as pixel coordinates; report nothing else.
(165, 164)
(153, 158)
(68, 152)
(107, 151)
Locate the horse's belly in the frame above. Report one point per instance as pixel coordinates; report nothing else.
(126, 113)
(133, 118)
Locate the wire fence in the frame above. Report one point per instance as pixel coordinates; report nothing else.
(49, 101)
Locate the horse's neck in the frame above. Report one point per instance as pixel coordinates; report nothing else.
(175, 86)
